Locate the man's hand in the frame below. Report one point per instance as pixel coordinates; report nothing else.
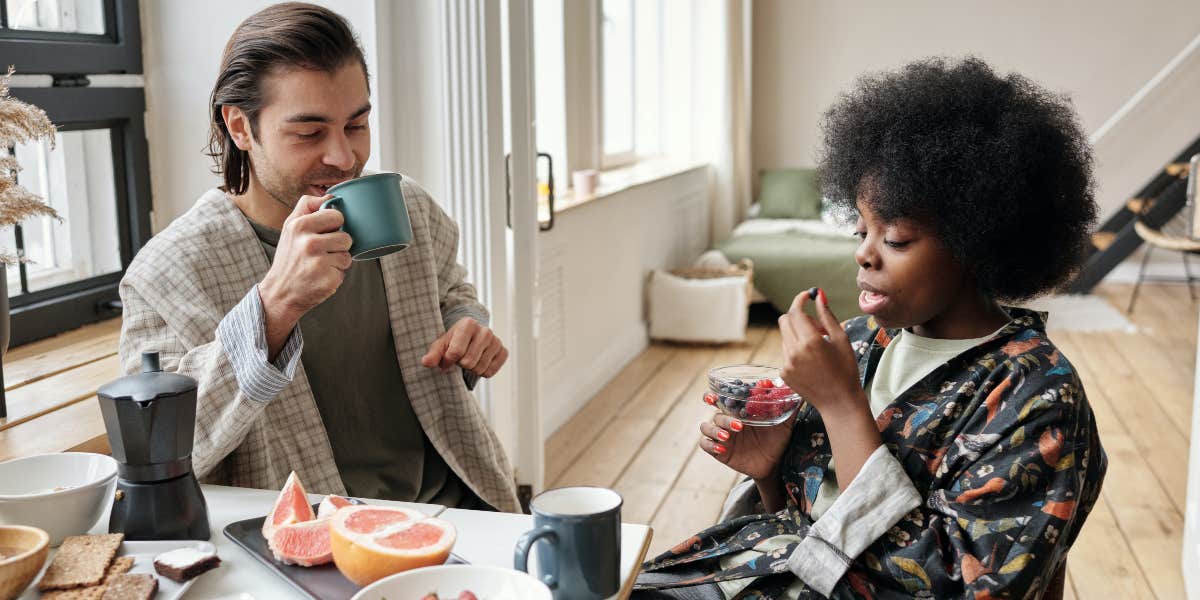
(310, 265)
(469, 345)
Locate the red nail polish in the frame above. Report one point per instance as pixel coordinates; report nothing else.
(723, 436)
(710, 399)
(736, 425)
(718, 448)
(821, 296)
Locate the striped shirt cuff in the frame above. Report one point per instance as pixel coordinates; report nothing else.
(880, 495)
(243, 336)
(461, 311)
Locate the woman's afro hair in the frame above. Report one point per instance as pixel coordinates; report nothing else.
(999, 167)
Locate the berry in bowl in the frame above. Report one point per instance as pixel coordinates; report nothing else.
(753, 394)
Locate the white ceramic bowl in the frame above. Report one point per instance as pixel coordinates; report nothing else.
(63, 493)
(448, 581)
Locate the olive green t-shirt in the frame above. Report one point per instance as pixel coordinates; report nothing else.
(349, 357)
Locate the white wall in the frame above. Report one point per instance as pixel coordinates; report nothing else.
(593, 268)
(1100, 52)
(1155, 124)
(1190, 556)
(181, 47)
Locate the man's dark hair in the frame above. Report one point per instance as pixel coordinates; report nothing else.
(287, 35)
(996, 164)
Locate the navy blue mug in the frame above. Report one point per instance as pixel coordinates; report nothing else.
(577, 533)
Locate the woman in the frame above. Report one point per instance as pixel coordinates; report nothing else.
(946, 448)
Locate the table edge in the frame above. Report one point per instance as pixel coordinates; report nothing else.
(627, 588)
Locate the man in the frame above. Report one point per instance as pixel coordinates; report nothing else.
(354, 374)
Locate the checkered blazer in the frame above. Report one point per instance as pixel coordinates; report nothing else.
(191, 294)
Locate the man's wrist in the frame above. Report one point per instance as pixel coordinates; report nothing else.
(278, 320)
(276, 311)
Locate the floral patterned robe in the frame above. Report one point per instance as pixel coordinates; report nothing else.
(1002, 446)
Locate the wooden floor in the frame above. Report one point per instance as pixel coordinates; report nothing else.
(638, 435)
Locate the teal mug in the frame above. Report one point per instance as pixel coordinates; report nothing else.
(375, 212)
(577, 534)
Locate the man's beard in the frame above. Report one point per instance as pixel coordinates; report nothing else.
(288, 192)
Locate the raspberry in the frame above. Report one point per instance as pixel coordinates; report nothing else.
(779, 393)
(764, 410)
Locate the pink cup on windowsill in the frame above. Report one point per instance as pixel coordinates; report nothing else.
(584, 182)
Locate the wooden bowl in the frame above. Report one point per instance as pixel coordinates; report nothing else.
(22, 553)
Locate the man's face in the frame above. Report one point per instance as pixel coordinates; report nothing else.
(312, 131)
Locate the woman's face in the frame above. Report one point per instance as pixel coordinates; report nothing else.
(907, 276)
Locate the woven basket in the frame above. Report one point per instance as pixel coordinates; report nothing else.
(742, 268)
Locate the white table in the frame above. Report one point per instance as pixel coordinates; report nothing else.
(483, 538)
(487, 538)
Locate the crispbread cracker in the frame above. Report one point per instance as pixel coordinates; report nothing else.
(141, 586)
(96, 592)
(120, 565)
(81, 561)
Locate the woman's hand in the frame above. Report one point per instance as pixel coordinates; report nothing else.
(819, 363)
(752, 451)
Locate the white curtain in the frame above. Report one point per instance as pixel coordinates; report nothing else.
(721, 120)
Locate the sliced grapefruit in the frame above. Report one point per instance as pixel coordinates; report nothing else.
(372, 542)
(290, 507)
(305, 543)
(330, 505)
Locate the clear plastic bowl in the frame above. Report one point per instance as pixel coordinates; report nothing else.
(754, 394)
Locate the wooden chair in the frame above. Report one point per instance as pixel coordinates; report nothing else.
(1179, 234)
(1058, 584)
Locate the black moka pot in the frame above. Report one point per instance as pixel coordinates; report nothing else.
(150, 418)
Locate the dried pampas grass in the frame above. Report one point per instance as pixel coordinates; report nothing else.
(19, 123)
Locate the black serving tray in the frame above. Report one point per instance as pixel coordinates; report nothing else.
(322, 582)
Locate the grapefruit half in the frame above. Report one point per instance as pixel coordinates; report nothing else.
(372, 542)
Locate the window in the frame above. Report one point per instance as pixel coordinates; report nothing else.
(604, 71)
(71, 36)
(67, 16)
(76, 178)
(96, 176)
(630, 67)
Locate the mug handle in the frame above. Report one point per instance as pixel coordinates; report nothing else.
(336, 204)
(525, 543)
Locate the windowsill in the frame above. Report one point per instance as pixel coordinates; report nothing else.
(614, 181)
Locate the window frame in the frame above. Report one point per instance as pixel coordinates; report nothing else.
(626, 157)
(117, 50)
(43, 313)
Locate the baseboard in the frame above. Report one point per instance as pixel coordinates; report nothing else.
(566, 397)
(1191, 562)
